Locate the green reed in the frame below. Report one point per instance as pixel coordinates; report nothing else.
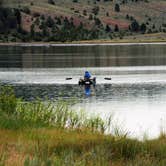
(16, 113)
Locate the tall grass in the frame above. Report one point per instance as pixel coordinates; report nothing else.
(8, 101)
(16, 113)
(47, 133)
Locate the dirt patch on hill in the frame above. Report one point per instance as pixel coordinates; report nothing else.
(113, 22)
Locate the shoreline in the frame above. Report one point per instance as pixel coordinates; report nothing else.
(86, 43)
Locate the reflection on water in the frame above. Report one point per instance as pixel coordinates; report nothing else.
(82, 56)
(138, 108)
(136, 94)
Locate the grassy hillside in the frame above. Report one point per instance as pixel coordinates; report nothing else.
(103, 19)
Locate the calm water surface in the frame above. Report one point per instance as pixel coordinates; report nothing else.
(135, 95)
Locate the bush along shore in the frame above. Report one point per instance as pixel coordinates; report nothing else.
(43, 133)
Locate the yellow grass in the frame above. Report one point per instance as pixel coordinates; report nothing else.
(16, 145)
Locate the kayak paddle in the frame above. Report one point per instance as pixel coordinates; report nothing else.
(69, 78)
(106, 78)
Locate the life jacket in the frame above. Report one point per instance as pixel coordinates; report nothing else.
(87, 75)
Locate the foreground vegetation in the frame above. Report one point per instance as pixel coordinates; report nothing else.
(44, 133)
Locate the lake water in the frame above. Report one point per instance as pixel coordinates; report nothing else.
(135, 95)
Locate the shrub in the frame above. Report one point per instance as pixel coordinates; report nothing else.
(84, 12)
(8, 100)
(50, 22)
(107, 29)
(90, 17)
(143, 27)
(51, 2)
(135, 26)
(26, 10)
(95, 10)
(97, 21)
(116, 29)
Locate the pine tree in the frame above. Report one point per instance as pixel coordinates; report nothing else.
(107, 29)
(32, 32)
(135, 26)
(143, 27)
(116, 28)
(117, 7)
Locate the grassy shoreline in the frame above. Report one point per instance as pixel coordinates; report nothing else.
(47, 146)
(93, 42)
(43, 133)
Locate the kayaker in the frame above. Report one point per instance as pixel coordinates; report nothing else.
(87, 75)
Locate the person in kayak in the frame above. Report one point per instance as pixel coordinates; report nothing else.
(87, 75)
(87, 80)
